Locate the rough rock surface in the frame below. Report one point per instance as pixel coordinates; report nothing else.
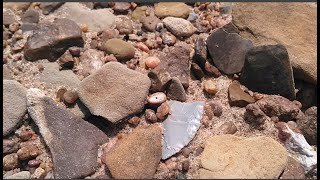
(19, 175)
(136, 155)
(114, 91)
(295, 30)
(220, 42)
(51, 40)
(150, 23)
(72, 141)
(267, 69)
(293, 170)
(175, 90)
(8, 17)
(172, 9)
(279, 106)
(48, 7)
(52, 75)
(179, 27)
(14, 105)
(229, 156)
(308, 125)
(237, 97)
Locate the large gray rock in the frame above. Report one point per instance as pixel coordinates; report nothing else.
(267, 70)
(136, 155)
(52, 76)
(228, 50)
(14, 105)
(72, 141)
(51, 40)
(114, 91)
(181, 126)
(291, 24)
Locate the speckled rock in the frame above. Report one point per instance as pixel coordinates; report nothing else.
(227, 156)
(175, 90)
(136, 155)
(91, 61)
(124, 25)
(106, 91)
(6, 73)
(172, 9)
(17, 6)
(28, 152)
(179, 27)
(14, 105)
(72, 141)
(293, 170)
(120, 49)
(308, 125)
(10, 161)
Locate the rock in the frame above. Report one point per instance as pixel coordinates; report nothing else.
(34, 163)
(91, 60)
(28, 152)
(48, 7)
(120, 49)
(211, 70)
(293, 170)
(124, 25)
(279, 106)
(199, 151)
(163, 111)
(25, 27)
(267, 70)
(39, 173)
(8, 17)
(172, 9)
(237, 97)
(10, 161)
(232, 160)
(168, 38)
(137, 155)
(197, 71)
(296, 143)
(79, 109)
(10, 146)
(181, 126)
(75, 51)
(150, 116)
(308, 125)
(30, 16)
(67, 136)
(216, 108)
(122, 92)
(134, 120)
(220, 42)
(208, 111)
(200, 52)
(185, 166)
(228, 128)
(176, 64)
(150, 23)
(262, 21)
(152, 62)
(52, 75)
(156, 84)
(20, 175)
(139, 13)
(210, 87)
(175, 90)
(16, 6)
(157, 99)
(70, 97)
(66, 61)
(109, 33)
(51, 40)
(186, 152)
(83, 15)
(14, 105)
(307, 93)
(121, 7)
(254, 115)
(179, 27)
(6, 73)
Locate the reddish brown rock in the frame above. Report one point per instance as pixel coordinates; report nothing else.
(28, 152)
(308, 125)
(237, 97)
(121, 7)
(175, 90)
(163, 110)
(10, 162)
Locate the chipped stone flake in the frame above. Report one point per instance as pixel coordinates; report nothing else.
(181, 126)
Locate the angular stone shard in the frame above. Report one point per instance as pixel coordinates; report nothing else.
(181, 126)
(114, 91)
(72, 141)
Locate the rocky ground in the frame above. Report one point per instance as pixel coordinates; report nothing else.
(165, 90)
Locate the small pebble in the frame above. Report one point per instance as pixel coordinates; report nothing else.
(75, 51)
(84, 28)
(208, 111)
(10, 161)
(14, 27)
(67, 61)
(60, 94)
(228, 128)
(28, 152)
(210, 87)
(293, 124)
(142, 47)
(150, 116)
(10, 146)
(157, 98)
(274, 119)
(297, 103)
(152, 62)
(40, 67)
(70, 97)
(205, 122)
(134, 120)
(257, 96)
(109, 58)
(26, 135)
(39, 173)
(163, 110)
(34, 163)
(199, 150)
(185, 165)
(186, 152)
(216, 108)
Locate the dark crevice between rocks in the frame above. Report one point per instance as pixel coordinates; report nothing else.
(279, 177)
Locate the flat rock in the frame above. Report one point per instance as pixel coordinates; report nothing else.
(137, 155)
(122, 50)
(14, 105)
(121, 6)
(19, 175)
(237, 97)
(228, 50)
(308, 125)
(8, 17)
(279, 106)
(84, 15)
(17, 6)
(181, 126)
(179, 27)
(175, 90)
(30, 16)
(53, 76)
(175, 62)
(72, 141)
(267, 70)
(229, 156)
(114, 91)
(172, 9)
(91, 61)
(293, 170)
(296, 30)
(51, 40)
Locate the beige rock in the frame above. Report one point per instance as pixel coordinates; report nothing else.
(229, 156)
(291, 24)
(173, 9)
(210, 87)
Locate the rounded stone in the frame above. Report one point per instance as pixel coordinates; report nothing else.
(120, 49)
(210, 87)
(10, 161)
(70, 97)
(157, 98)
(152, 62)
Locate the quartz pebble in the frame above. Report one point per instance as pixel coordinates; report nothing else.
(152, 62)
(157, 98)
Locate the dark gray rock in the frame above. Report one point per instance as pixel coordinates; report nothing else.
(175, 90)
(51, 40)
(228, 51)
(267, 70)
(72, 141)
(14, 105)
(48, 7)
(200, 52)
(197, 71)
(156, 83)
(30, 16)
(307, 93)
(308, 125)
